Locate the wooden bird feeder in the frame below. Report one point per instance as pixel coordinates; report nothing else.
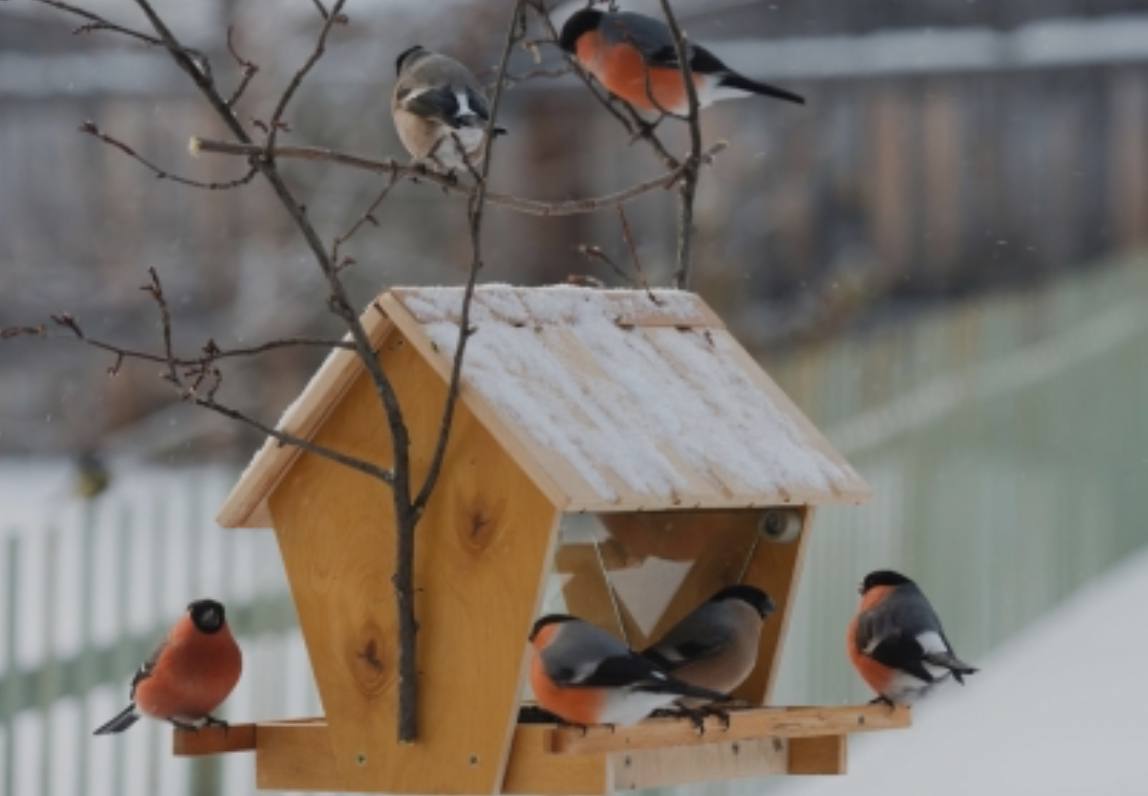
(616, 455)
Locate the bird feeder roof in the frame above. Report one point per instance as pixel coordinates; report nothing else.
(613, 400)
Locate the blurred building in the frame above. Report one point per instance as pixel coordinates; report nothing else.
(946, 148)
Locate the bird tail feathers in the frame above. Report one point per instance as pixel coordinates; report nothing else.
(733, 80)
(120, 722)
(951, 662)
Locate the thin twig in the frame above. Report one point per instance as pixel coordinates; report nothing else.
(68, 322)
(249, 68)
(155, 289)
(329, 20)
(628, 236)
(534, 207)
(96, 22)
(286, 438)
(90, 128)
(688, 186)
(200, 367)
(368, 216)
(592, 252)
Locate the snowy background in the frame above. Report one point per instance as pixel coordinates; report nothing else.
(941, 259)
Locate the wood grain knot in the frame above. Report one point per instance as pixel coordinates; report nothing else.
(371, 661)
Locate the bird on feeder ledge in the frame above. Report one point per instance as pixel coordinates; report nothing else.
(585, 676)
(716, 645)
(188, 675)
(896, 641)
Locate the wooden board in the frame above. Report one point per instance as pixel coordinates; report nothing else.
(298, 755)
(213, 740)
(533, 768)
(780, 722)
(246, 506)
(823, 754)
(482, 549)
(715, 762)
(776, 567)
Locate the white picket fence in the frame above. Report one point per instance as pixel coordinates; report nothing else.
(1004, 441)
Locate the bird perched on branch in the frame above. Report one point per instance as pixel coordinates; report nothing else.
(584, 675)
(896, 642)
(634, 57)
(716, 645)
(188, 675)
(439, 109)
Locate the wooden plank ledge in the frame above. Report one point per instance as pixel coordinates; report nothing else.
(214, 740)
(776, 722)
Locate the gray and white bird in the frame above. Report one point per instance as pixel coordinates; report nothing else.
(583, 675)
(439, 106)
(716, 645)
(896, 641)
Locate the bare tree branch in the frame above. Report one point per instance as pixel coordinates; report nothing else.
(340, 302)
(90, 128)
(405, 548)
(96, 22)
(201, 368)
(688, 186)
(475, 212)
(534, 207)
(297, 79)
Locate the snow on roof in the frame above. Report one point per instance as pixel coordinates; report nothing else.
(613, 400)
(644, 396)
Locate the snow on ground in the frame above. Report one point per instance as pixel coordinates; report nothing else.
(1058, 710)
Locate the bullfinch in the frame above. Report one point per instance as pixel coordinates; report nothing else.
(583, 675)
(716, 645)
(634, 57)
(188, 675)
(437, 100)
(896, 642)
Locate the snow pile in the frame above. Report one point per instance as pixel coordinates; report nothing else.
(628, 391)
(1058, 710)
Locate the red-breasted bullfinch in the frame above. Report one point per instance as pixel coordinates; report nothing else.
(896, 642)
(584, 675)
(716, 645)
(188, 675)
(634, 57)
(436, 100)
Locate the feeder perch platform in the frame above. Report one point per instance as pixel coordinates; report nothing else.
(550, 759)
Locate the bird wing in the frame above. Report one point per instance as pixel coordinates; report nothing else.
(704, 633)
(650, 36)
(903, 631)
(439, 103)
(147, 667)
(653, 39)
